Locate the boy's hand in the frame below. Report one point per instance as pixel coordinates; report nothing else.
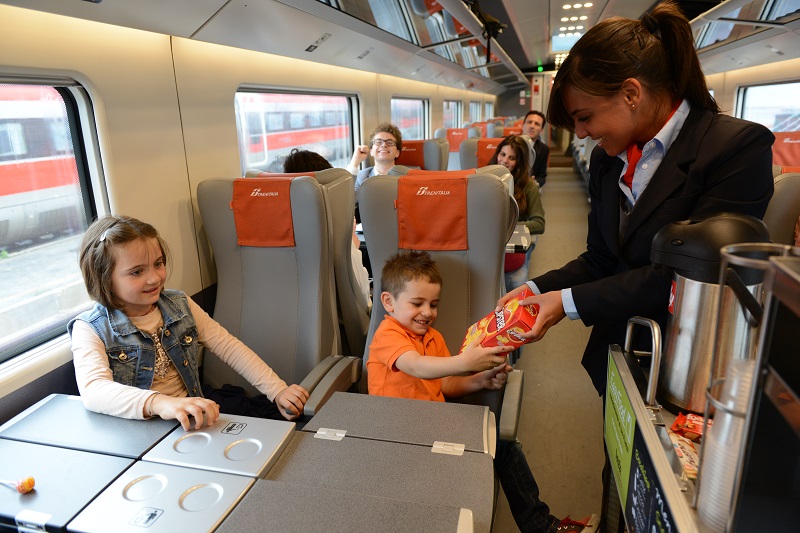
(290, 401)
(476, 358)
(494, 379)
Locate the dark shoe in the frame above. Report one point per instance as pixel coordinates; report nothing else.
(586, 525)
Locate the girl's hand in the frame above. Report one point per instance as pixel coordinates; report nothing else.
(204, 411)
(290, 401)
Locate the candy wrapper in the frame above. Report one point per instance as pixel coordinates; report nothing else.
(504, 327)
(690, 426)
(687, 453)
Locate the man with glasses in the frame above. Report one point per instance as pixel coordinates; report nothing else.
(384, 147)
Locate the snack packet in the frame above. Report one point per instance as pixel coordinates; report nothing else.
(690, 426)
(687, 453)
(504, 327)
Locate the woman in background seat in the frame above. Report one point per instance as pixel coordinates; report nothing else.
(513, 153)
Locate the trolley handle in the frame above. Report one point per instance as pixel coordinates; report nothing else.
(655, 364)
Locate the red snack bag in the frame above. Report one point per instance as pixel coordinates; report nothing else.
(690, 426)
(504, 327)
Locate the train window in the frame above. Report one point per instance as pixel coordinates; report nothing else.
(474, 111)
(451, 114)
(772, 11)
(784, 8)
(411, 116)
(44, 210)
(320, 123)
(488, 108)
(775, 106)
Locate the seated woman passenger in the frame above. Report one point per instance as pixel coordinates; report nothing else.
(513, 153)
(135, 351)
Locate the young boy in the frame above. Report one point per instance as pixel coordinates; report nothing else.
(409, 359)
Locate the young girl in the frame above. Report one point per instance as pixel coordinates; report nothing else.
(513, 153)
(135, 351)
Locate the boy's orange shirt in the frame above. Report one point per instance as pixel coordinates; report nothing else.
(391, 340)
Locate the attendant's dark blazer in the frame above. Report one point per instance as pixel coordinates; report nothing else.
(716, 164)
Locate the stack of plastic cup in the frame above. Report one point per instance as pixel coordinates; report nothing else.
(722, 446)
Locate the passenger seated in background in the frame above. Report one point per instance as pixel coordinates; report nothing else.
(385, 144)
(135, 351)
(308, 161)
(409, 359)
(513, 154)
(532, 126)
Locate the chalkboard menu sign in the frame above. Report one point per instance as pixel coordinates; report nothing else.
(640, 492)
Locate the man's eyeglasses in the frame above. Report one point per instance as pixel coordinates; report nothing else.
(386, 142)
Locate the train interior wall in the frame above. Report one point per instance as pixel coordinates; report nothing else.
(164, 111)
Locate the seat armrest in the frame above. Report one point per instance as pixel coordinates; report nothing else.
(313, 378)
(512, 406)
(341, 377)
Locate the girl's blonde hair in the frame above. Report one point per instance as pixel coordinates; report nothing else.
(97, 258)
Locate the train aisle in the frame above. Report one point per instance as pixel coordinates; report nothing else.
(561, 429)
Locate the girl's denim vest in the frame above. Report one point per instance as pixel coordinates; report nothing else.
(131, 353)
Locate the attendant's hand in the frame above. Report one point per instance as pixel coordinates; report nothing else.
(476, 358)
(290, 401)
(203, 410)
(494, 379)
(507, 296)
(551, 312)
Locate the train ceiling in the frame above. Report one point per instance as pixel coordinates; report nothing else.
(440, 41)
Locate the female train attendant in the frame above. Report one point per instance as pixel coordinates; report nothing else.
(512, 153)
(664, 154)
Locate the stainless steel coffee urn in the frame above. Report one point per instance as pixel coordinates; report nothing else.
(692, 251)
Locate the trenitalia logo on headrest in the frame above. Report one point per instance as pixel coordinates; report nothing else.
(788, 140)
(491, 146)
(409, 148)
(257, 192)
(423, 191)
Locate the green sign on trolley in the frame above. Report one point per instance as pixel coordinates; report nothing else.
(619, 428)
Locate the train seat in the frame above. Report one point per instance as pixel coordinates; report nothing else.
(455, 136)
(499, 171)
(472, 269)
(427, 154)
(784, 208)
(352, 305)
(475, 153)
(275, 291)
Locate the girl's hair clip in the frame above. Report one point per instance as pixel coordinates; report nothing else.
(105, 233)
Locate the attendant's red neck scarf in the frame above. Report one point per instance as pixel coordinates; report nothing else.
(635, 153)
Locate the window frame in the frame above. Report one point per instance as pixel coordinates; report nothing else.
(82, 130)
(351, 114)
(426, 114)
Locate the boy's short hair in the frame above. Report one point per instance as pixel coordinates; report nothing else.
(404, 267)
(97, 257)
